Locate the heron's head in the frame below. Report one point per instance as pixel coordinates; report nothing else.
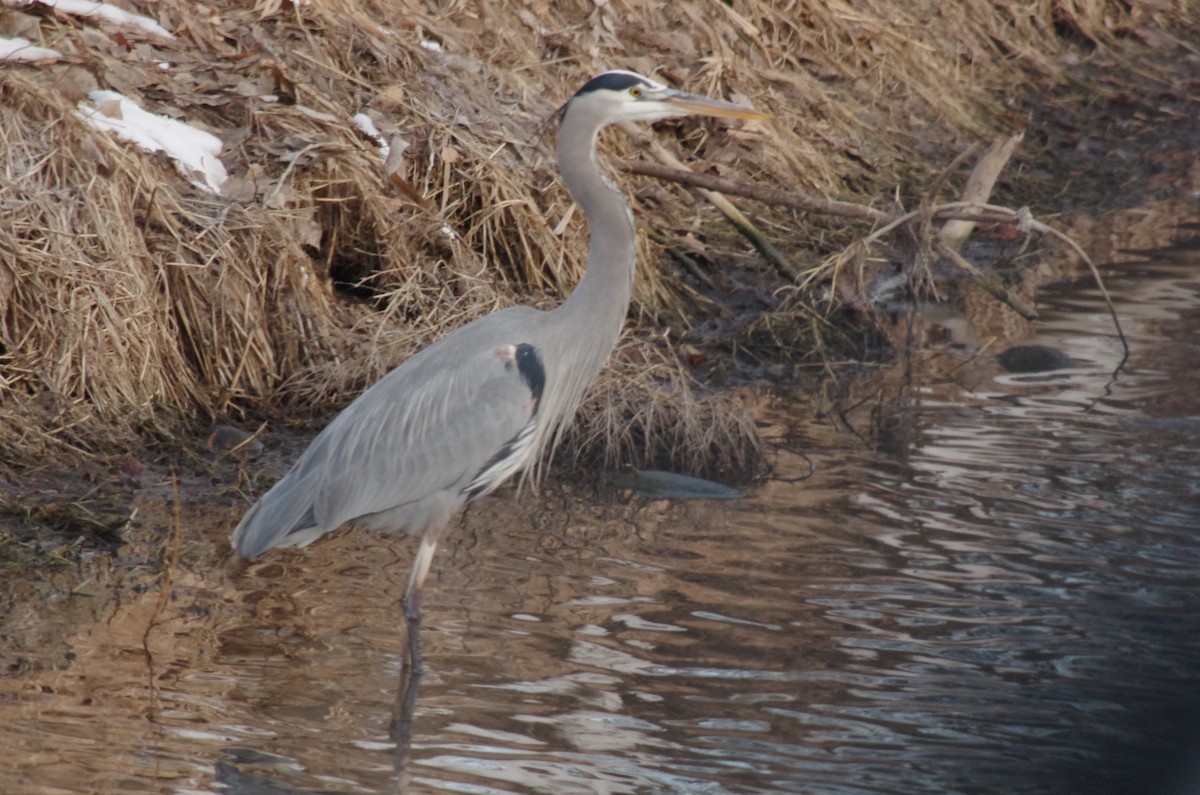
(627, 96)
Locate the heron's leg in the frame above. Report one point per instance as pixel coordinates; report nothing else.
(400, 728)
(411, 600)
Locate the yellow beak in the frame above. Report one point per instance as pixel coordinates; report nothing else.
(706, 106)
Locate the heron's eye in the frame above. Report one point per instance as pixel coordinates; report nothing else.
(635, 91)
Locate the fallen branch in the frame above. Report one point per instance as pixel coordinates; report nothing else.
(960, 218)
(979, 188)
(793, 199)
(986, 282)
(744, 225)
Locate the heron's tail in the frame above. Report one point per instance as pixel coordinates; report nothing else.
(283, 517)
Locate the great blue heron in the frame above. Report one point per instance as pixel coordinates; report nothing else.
(481, 404)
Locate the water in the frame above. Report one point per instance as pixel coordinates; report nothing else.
(1003, 598)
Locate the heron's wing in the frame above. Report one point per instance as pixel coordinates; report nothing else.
(410, 443)
(429, 425)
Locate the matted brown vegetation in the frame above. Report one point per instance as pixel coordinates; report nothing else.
(135, 306)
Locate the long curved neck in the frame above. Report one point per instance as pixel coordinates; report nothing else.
(600, 301)
(580, 334)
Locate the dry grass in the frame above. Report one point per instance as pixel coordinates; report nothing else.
(134, 306)
(648, 412)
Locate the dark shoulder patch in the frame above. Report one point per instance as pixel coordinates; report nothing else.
(613, 81)
(529, 365)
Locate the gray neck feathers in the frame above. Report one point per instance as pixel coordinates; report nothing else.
(584, 329)
(599, 303)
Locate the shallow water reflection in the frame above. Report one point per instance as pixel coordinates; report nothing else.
(1011, 603)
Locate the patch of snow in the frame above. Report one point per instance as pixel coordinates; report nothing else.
(20, 49)
(102, 11)
(195, 152)
(363, 122)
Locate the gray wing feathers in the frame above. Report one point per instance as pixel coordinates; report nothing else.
(426, 427)
(419, 430)
(281, 511)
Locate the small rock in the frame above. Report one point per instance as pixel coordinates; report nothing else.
(228, 439)
(1034, 359)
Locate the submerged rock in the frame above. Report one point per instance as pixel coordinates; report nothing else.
(228, 439)
(671, 486)
(1034, 359)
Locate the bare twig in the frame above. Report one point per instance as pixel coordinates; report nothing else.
(164, 596)
(1023, 220)
(986, 282)
(1042, 228)
(744, 225)
(936, 187)
(794, 199)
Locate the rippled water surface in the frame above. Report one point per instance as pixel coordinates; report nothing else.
(1003, 598)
